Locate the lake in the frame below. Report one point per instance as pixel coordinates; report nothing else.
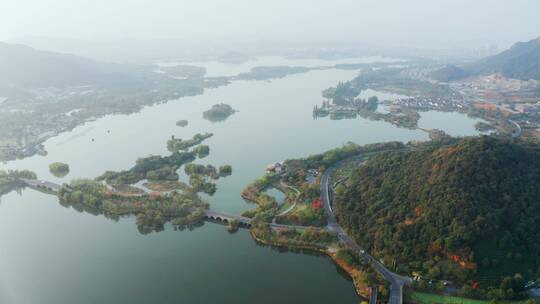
(217, 68)
(52, 254)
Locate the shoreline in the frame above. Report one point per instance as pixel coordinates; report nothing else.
(360, 288)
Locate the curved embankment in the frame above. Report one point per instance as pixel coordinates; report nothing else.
(296, 191)
(360, 287)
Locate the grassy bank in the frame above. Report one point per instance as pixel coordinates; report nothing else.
(429, 298)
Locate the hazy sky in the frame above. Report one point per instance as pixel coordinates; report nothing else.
(383, 22)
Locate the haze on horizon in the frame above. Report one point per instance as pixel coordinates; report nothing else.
(418, 23)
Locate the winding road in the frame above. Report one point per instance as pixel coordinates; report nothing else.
(396, 281)
(373, 295)
(293, 205)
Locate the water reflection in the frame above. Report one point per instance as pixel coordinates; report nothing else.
(301, 251)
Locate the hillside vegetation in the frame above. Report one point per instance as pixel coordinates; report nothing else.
(468, 212)
(22, 66)
(521, 61)
(450, 73)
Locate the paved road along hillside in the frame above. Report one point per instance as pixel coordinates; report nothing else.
(396, 281)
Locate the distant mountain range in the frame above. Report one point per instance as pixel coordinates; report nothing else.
(45, 93)
(145, 51)
(521, 61)
(22, 66)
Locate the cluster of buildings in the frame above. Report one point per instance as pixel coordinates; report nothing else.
(528, 108)
(508, 109)
(277, 167)
(497, 82)
(280, 168)
(311, 176)
(498, 89)
(431, 103)
(488, 106)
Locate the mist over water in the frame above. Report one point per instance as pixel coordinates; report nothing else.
(94, 83)
(80, 254)
(138, 29)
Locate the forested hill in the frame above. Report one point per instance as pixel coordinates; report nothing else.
(466, 212)
(521, 61)
(22, 66)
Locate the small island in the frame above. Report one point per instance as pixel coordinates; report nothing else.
(225, 170)
(59, 169)
(218, 112)
(270, 72)
(182, 123)
(185, 71)
(341, 102)
(151, 210)
(165, 199)
(178, 144)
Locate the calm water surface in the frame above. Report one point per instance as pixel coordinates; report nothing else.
(217, 68)
(51, 254)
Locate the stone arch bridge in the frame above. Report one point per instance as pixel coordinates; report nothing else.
(222, 217)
